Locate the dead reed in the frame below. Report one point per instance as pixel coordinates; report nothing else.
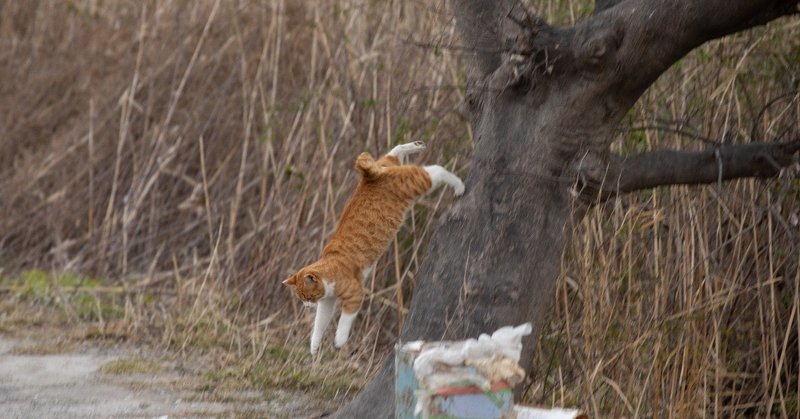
(188, 155)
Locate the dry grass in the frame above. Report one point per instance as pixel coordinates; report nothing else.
(190, 154)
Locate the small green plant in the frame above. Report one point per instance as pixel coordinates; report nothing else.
(132, 365)
(35, 284)
(80, 293)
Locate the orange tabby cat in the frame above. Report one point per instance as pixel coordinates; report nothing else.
(370, 220)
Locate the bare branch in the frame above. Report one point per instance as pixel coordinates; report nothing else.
(669, 167)
(650, 35)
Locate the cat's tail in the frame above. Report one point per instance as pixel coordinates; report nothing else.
(368, 167)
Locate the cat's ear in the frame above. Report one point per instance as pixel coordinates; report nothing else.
(310, 279)
(289, 282)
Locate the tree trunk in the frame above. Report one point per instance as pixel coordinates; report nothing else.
(546, 102)
(494, 257)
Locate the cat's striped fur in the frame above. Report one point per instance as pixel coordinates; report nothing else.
(370, 220)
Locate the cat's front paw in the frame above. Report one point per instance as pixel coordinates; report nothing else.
(340, 340)
(314, 349)
(419, 144)
(459, 188)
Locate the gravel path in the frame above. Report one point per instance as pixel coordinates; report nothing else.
(70, 385)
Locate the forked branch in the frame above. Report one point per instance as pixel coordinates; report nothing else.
(656, 33)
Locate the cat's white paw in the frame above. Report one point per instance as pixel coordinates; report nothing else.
(343, 330)
(459, 188)
(339, 341)
(314, 349)
(403, 150)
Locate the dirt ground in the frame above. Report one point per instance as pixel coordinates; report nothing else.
(43, 378)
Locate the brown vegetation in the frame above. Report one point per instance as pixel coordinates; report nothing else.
(192, 154)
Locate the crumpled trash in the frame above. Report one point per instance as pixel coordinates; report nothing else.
(473, 362)
(525, 412)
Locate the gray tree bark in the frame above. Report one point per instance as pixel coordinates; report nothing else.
(546, 102)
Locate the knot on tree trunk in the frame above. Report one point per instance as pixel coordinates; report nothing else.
(472, 105)
(522, 69)
(596, 47)
(595, 175)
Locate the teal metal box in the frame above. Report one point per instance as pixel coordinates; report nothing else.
(405, 383)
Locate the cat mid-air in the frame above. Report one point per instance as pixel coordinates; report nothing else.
(370, 220)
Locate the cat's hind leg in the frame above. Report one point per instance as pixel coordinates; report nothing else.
(441, 175)
(325, 308)
(403, 150)
(350, 308)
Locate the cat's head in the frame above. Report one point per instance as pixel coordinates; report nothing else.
(307, 286)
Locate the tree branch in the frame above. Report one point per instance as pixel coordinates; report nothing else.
(600, 5)
(651, 35)
(669, 167)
